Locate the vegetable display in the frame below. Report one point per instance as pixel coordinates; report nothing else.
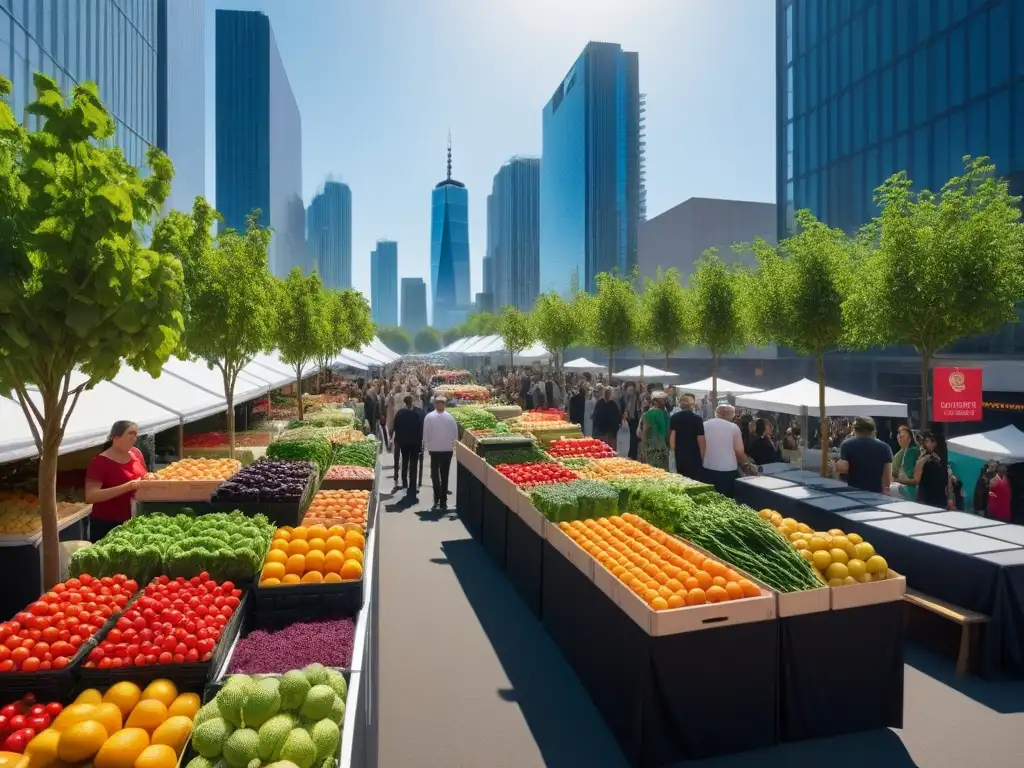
(197, 469)
(19, 512)
(338, 507)
(606, 468)
(360, 454)
(526, 455)
(313, 555)
(581, 447)
(473, 418)
(268, 480)
(229, 546)
(316, 449)
(326, 419)
(23, 719)
(661, 570)
(294, 718)
(49, 632)
(172, 622)
(275, 651)
(346, 472)
(220, 439)
(463, 392)
(575, 500)
(529, 475)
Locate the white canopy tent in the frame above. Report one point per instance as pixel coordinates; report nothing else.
(582, 364)
(370, 353)
(1005, 445)
(535, 353)
(486, 345)
(268, 366)
(704, 386)
(252, 381)
(801, 398)
(349, 360)
(459, 345)
(644, 371)
(383, 351)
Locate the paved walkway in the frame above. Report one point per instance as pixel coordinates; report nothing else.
(470, 679)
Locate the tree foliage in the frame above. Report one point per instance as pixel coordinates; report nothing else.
(942, 266)
(396, 339)
(229, 308)
(79, 292)
(667, 312)
(426, 341)
(557, 324)
(480, 324)
(516, 331)
(614, 310)
(718, 312)
(301, 323)
(798, 293)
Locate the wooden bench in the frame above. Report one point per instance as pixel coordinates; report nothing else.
(969, 622)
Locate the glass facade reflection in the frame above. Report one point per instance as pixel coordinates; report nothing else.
(591, 178)
(384, 283)
(258, 137)
(329, 235)
(110, 42)
(513, 226)
(414, 305)
(449, 251)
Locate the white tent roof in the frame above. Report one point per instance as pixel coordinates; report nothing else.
(269, 367)
(349, 360)
(1006, 444)
(252, 380)
(485, 345)
(582, 364)
(793, 398)
(647, 371)
(176, 395)
(380, 347)
(535, 352)
(460, 344)
(724, 387)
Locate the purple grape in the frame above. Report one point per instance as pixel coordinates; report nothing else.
(297, 645)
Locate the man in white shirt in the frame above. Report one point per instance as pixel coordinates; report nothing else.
(722, 450)
(439, 435)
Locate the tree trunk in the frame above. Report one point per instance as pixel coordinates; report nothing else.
(666, 361)
(48, 494)
(714, 383)
(823, 416)
(298, 387)
(926, 364)
(611, 364)
(229, 395)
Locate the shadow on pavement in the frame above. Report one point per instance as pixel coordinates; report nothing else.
(1005, 696)
(881, 748)
(567, 728)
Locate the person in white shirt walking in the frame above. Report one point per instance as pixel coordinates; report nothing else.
(439, 435)
(722, 450)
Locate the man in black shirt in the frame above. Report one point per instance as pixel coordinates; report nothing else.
(864, 459)
(578, 406)
(408, 438)
(607, 418)
(686, 438)
(371, 409)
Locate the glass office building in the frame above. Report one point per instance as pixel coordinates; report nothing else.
(384, 283)
(111, 43)
(258, 137)
(513, 226)
(449, 251)
(591, 190)
(870, 87)
(414, 305)
(329, 235)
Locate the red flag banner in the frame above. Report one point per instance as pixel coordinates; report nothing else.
(956, 394)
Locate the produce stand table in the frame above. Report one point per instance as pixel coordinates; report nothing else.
(981, 569)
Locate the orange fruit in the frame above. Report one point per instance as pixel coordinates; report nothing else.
(122, 749)
(315, 560)
(351, 570)
(174, 732)
(332, 577)
(299, 533)
(719, 581)
(271, 582)
(81, 741)
(277, 556)
(296, 564)
(298, 547)
(355, 539)
(335, 542)
(281, 544)
(703, 579)
(109, 716)
(125, 695)
(148, 714)
(659, 604)
(750, 589)
(283, 533)
(157, 756)
(90, 696)
(696, 597)
(649, 595)
(353, 553)
(273, 570)
(717, 594)
(333, 561)
(675, 601)
(72, 714)
(317, 545)
(734, 590)
(291, 578)
(186, 704)
(336, 530)
(312, 577)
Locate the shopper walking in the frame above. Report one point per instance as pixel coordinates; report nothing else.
(439, 435)
(578, 406)
(408, 438)
(723, 450)
(654, 433)
(631, 410)
(686, 438)
(607, 418)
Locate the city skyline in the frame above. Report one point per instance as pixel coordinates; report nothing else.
(449, 250)
(414, 305)
(513, 234)
(329, 235)
(384, 283)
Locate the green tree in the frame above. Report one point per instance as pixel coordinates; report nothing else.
(798, 293)
(613, 312)
(229, 309)
(361, 329)
(667, 307)
(942, 266)
(557, 325)
(718, 312)
(516, 331)
(301, 323)
(79, 291)
(396, 339)
(426, 341)
(481, 324)
(336, 337)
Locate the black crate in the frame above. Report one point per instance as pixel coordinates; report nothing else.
(188, 677)
(280, 513)
(172, 507)
(304, 602)
(348, 484)
(482, 449)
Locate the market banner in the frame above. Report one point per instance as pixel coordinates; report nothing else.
(956, 394)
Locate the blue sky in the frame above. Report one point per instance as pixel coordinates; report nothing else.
(379, 83)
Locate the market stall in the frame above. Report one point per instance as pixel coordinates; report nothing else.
(582, 365)
(721, 386)
(646, 372)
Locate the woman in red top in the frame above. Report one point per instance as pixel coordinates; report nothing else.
(112, 478)
(999, 495)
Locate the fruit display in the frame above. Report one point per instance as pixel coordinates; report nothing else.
(473, 418)
(473, 392)
(348, 472)
(197, 469)
(313, 555)
(362, 453)
(342, 435)
(294, 718)
(840, 558)
(575, 500)
(541, 425)
(322, 641)
(123, 727)
(22, 720)
(325, 419)
(268, 480)
(661, 570)
(451, 377)
(229, 546)
(220, 439)
(49, 632)
(338, 507)
(580, 447)
(607, 468)
(524, 455)
(529, 475)
(19, 512)
(315, 448)
(174, 621)
(543, 414)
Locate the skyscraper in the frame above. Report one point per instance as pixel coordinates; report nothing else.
(867, 89)
(414, 305)
(329, 235)
(259, 136)
(449, 250)
(384, 283)
(591, 180)
(112, 44)
(513, 227)
(181, 97)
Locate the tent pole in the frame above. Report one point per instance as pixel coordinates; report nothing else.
(805, 434)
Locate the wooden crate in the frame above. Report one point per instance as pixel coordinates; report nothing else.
(176, 490)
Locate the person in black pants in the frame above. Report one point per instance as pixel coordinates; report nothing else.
(439, 435)
(408, 429)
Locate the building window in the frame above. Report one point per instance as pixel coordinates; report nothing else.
(999, 44)
(957, 142)
(789, 34)
(789, 150)
(871, 34)
(920, 86)
(789, 93)
(977, 58)
(903, 95)
(940, 152)
(957, 67)
(922, 154)
(999, 130)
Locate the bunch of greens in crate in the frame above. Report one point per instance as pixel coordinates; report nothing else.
(227, 545)
(359, 454)
(314, 448)
(325, 419)
(472, 417)
(574, 463)
(575, 500)
(525, 455)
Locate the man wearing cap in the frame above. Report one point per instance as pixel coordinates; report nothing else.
(864, 460)
(439, 435)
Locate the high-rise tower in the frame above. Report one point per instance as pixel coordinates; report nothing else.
(449, 250)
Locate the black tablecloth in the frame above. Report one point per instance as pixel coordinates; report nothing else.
(524, 561)
(982, 583)
(494, 526)
(469, 497)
